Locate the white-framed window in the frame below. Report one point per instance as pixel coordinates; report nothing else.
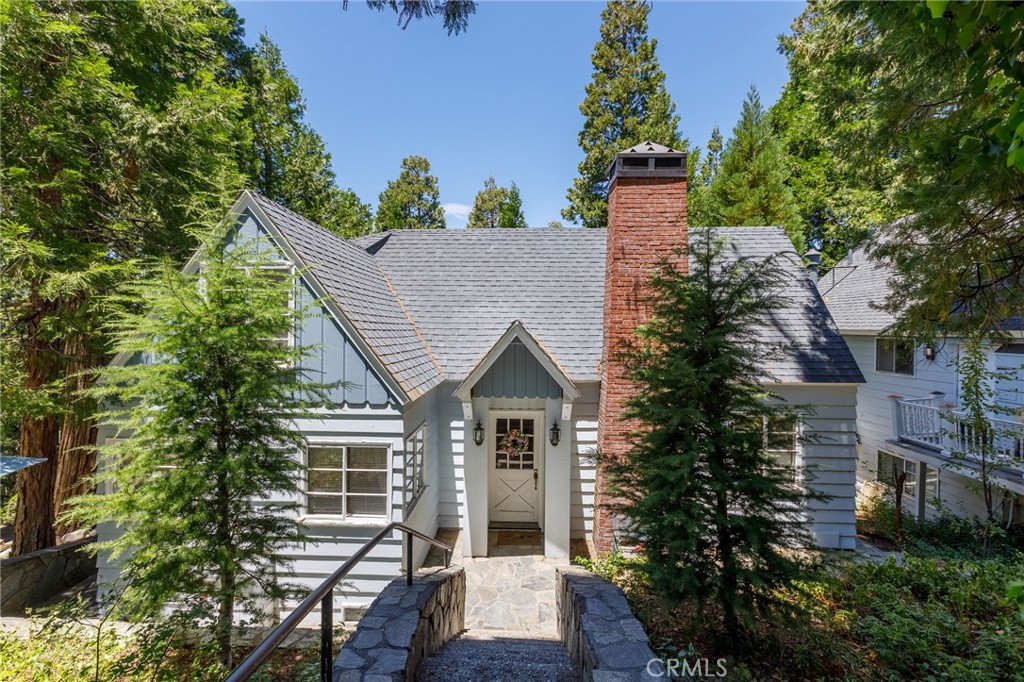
(931, 486)
(890, 466)
(894, 357)
(413, 479)
(348, 481)
(781, 435)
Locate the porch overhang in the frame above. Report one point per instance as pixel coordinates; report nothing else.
(517, 331)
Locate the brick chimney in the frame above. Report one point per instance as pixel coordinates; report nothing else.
(646, 224)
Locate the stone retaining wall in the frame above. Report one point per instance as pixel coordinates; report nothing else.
(31, 579)
(598, 629)
(404, 625)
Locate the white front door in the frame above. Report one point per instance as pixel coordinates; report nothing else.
(516, 451)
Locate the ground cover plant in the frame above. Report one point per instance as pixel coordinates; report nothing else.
(941, 612)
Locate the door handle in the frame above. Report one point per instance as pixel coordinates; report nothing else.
(536, 476)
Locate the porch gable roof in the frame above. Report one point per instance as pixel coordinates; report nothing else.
(517, 331)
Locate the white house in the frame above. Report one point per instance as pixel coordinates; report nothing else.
(907, 409)
(452, 338)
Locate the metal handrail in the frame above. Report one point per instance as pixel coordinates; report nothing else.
(324, 594)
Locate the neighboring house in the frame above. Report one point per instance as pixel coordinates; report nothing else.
(907, 416)
(452, 338)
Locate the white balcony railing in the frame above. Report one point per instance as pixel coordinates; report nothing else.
(922, 422)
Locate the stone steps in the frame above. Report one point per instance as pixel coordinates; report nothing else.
(499, 655)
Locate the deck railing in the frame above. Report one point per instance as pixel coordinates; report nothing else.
(922, 422)
(324, 595)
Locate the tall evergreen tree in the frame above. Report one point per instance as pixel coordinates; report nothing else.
(411, 201)
(840, 199)
(626, 103)
(932, 87)
(116, 117)
(286, 160)
(706, 170)
(717, 515)
(206, 430)
(751, 187)
(487, 205)
(511, 212)
(497, 207)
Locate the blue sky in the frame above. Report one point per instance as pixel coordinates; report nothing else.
(503, 98)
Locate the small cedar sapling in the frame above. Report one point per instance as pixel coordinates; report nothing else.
(716, 514)
(205, 458)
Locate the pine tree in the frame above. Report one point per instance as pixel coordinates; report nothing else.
(487, 205)
(286, 160)
(411, 201)
(707, 168)
(497, 207)
(626, 103)
(204, 431)
(751, 185)
(116, 117)
(511, 212)
(717, 516)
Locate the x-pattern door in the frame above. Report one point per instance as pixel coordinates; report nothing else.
(515, 472)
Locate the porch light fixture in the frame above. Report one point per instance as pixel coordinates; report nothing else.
(478, 433)
(929, 352)
(556, 434)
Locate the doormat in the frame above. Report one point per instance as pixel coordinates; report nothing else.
(518, 537)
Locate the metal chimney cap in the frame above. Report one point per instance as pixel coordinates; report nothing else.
(648, 160)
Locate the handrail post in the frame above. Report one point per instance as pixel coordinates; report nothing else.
(327, 638)
(408, 559)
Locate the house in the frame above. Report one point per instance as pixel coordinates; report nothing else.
(907, 415)
(452, 339)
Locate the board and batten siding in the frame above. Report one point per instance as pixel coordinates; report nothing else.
(829, 456)
(364, 413)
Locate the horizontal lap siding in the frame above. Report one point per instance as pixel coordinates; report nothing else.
(958, 493)
(424, 514)
(583, 452)
(830, 457)
(452, 485)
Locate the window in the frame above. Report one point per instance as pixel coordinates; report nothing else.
(347, 481)
(517, 450)
(890, 466)
(894, 356)
(782, 441)
(413, 483)
(931, 485)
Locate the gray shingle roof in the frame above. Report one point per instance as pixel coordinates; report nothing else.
(356, 282)
(815, 350)
(431, 303)
(853, 289)
(464, 287)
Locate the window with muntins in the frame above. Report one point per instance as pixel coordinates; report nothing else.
(895, 357)
(347, 481)
(514, 444)
(890, 466)
(413, 483)
(782, 442)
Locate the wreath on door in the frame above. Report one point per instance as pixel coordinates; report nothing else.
(514, 443)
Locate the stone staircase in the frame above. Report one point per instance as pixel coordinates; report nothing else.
(497, 656)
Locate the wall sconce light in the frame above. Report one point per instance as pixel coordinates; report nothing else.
(478, 433)
(556, 434)
(929, 352)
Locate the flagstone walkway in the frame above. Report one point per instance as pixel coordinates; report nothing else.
(511, 628)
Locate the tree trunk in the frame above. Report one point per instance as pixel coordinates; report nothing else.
(727, 593)
(76, 456)
(37, 437)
